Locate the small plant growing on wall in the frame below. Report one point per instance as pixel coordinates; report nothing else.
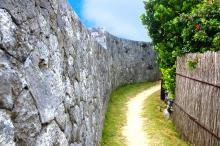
(192, 64)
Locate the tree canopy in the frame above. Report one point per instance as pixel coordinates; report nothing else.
(178, 27)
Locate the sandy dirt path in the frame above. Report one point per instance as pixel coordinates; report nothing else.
(134, 131)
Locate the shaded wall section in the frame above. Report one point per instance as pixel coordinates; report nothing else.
(55, 78)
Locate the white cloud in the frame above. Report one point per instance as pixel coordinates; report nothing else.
(119, 17)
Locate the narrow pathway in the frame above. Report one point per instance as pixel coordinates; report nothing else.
(134, 131)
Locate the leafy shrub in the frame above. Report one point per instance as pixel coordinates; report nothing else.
(179, 27)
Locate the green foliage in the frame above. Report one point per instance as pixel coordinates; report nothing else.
(178, 27)
(205, 19)
(216, 42)
(169, 78)
(192, 64)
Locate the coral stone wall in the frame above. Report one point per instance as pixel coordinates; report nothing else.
(55, 78)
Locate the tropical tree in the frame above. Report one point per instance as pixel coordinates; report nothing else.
(178, 27)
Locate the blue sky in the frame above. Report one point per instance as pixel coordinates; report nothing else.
(77, 5)
(119, 17)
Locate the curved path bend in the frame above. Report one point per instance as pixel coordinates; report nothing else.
(134, 129)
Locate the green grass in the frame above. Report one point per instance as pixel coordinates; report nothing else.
(160, 131)
(115, 117)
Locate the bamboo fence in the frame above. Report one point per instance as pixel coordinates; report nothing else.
(197, 104)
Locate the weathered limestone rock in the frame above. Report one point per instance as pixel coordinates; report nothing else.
(51, 135)
(7, 29)
(26, 119)
(10, 81)
(45, 83)
(56, 79)
(6, 129)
